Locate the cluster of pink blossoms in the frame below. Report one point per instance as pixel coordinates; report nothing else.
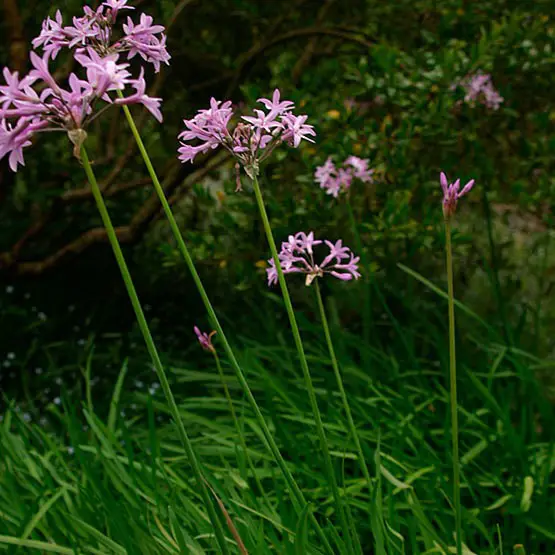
(252, 140)
(451, 194)
(94, 30)
(69, 108)
(479, 88)
(335, 181)
(297, 256)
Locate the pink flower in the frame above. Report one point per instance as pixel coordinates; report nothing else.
(276, 107)
(360, 168)
(325, 172)
(335, 181)
(252, 140)
(104, 73)
(296, 129)
(116, 5)
(13, 139)
(152, 104)
(479, 88)
(208, 126)
(297, 256)
(141, 39)
(95, 30)
(205, 339)
(451, 194)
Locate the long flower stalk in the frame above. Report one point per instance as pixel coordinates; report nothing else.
(237, 427)
(344, 400)
(338, 501)
(298, 498)
(453, 388)
(143, 325)
(451, 195)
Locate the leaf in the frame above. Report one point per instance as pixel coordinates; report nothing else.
(115, 398)
(526, 501)
(499, 503)
(301, 531)
(390, 478)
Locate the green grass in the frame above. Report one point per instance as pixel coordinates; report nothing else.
(126, 486)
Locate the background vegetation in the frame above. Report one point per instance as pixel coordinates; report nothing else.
(95, 469)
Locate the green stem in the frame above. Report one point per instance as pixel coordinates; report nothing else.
(143, 325)
(453, 389)
(304, 365)
(366, 278)
(346, 406)
(299, 500)
(237, 427)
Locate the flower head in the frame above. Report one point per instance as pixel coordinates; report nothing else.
(70, 108)
(451, 194)
(336, 180)
(360, 169)
(479, 88)
(95, 30)
(297, 256)
(143, 39)
(252, 140)
(205, 339)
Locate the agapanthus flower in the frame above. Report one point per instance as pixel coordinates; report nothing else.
(451, 194)
(205, 339)
(297, 255)
(95, 30)
(23, 111)
(252, 140)
(336, 180)
(479, 89)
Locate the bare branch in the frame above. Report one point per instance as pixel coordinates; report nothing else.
(9, 261)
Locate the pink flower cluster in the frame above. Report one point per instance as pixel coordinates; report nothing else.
(252, 140)
(335, 181)
(479, 88)
(69, 108)
(451, 194)
(23, 111)
(94, 30)
(297, 256)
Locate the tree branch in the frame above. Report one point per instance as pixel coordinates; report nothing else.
(259, 49)
(130, 234)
